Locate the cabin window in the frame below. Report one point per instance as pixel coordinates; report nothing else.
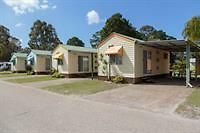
(48, 63)
(165, 56)
(147, 63)
(157, 67)
(115, 59)
(83, 63)
(60, 62)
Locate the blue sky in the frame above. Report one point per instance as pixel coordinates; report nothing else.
(82, 18)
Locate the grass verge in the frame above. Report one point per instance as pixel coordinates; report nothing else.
(191, 107)
(5, 72)
(82, 87)
(31, 79)
(10, 74)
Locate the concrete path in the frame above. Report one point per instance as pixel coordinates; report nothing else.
(155, 98)
(29, 110)
(53, 82)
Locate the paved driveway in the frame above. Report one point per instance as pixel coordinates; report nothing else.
(29, 110)
(155, 98)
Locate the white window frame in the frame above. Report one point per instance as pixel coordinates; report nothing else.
(84, 67)
(115, 59)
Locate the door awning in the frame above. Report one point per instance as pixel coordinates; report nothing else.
(114, 50)
(58, 56)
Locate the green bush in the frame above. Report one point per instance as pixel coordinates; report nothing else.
(118, 79)
(57, 75)
(53, 70)
(29, 70)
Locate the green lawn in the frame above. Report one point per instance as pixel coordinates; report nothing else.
(194, 98)
(82, 87)
(191, 107)
(10, 74)
(5, 72)
(31, 79)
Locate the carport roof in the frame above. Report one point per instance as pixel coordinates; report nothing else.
(172, 45)
(41, 52)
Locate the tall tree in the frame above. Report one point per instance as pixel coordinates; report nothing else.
(25, 50)
(8, 44)
(116, 23)
(95, 40)
(150, 33)
(147, 30)
(43, 36)
(75, 41)
(192, 29)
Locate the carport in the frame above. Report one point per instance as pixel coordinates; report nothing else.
(177, 46)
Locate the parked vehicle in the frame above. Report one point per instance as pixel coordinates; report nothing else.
(5, 66)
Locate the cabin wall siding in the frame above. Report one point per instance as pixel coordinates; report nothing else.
(20, 65)
(73, 61)
(159, 64)
(126, 69)
(61, 68)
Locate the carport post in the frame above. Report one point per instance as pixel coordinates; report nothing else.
(92, 65)
(188, 65)
(109, 69)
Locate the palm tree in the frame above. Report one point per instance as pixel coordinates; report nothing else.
(192, 29)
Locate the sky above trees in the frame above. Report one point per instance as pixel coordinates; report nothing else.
(83, 18)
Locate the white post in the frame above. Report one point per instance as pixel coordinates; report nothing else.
(188, 65)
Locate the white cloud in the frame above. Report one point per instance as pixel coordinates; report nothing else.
(45, 1)
(44, 6)
(21, 40)
(93, 17)
(19, 24)
(24, 6)
(54, 7)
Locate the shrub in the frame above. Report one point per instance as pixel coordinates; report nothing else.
(118, 79)
(57, 75)
(29, 70)
(53, 70)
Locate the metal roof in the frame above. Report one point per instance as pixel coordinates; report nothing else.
(41, 52)
(16, 55)
(172, 45)
(80, 49)
(118, 35)
(23, 55)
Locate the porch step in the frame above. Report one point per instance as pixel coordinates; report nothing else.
(148, 80)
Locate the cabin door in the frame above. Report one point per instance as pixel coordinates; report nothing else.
(147, 64)
(48, 64)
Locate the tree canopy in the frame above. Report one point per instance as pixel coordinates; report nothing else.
(75, 41)
(43, 36)
(95, 40)
(116, 23)
(8, 44)
(25, 50)
(192, 29)
(150, 33)
(147, 30)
